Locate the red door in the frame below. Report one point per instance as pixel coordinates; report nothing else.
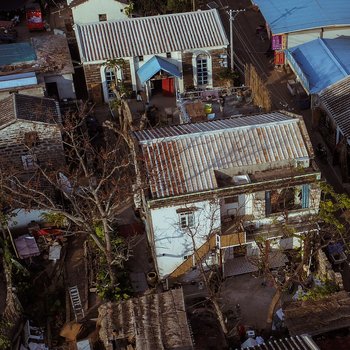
(168, 88)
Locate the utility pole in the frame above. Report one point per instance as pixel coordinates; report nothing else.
(193, 5)
(233, 14)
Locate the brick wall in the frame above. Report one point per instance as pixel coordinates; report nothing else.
(94, 81)
(49, 151)
(187, 69)
(325, 270)
(216, 67)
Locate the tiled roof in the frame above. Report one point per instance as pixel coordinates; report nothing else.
(182, 159)
(150, 35)
(336, 100)
(31, 108)
(155, 321)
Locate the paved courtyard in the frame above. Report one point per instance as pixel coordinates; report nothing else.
(254, 299)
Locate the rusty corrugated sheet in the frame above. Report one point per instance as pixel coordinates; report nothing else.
(185, 163)
(336, 101)
(150, 35)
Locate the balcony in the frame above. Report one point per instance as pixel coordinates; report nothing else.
(232, 232)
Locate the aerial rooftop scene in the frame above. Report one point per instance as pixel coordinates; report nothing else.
(174, 175)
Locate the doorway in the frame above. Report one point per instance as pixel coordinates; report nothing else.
(52, 90)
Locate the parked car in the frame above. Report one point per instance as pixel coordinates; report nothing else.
(8, 35)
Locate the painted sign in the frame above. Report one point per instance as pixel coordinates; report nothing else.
(279, 58)
(279, 42)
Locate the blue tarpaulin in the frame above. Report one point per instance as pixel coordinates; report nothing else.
(286, 16)
(16, 53)
(321, 62)
(154, 65)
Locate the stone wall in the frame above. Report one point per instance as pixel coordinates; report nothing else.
(216, 65)
(187, 70)
(325, 271)
(49, 149)
(94, 81)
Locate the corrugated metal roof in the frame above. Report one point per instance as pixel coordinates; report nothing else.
(336, 100)
(299, 342)
(15, 80)
(286, 16)
(182, 159)
(322, 61)
(150, 35)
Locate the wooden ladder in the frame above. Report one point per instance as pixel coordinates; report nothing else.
(76, 303)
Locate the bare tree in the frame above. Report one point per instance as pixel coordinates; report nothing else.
(329, 225)
(88, 190)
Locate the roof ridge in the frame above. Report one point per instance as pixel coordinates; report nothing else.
(332, 55)
(217, 131)
(138, 19)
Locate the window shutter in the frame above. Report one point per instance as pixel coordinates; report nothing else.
(305, 196)
(267, 203)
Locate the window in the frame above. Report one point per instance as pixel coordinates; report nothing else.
(168, 55)
(29, 162)
(110, 78)
(31, 139)
(202, 69)
(140, 58)
(102, 17)
(230, 200)
(186, 220)
(293, 198)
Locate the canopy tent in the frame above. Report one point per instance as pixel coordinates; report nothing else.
(26, 246)
(154, 65)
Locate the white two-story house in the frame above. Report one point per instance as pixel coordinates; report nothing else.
(90, 11)
(215, 187)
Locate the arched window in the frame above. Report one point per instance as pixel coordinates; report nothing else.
(110, 75)
(202, 70)
(110, 78)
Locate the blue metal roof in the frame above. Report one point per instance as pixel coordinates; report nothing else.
(285, 16)
(321, 62)
(154, 65)
(16, 53)
(16, 80)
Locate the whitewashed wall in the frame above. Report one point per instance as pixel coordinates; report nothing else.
(88, 12)
(298, 38)
(171, 242)
(65, 85)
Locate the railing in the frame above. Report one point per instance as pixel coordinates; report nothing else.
(190, 262)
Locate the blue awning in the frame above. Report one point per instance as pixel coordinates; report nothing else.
(154, 65)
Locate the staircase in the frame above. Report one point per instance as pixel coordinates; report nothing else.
(190, 261)
(76, 303)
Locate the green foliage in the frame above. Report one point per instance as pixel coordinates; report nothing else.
(5, 342)
(128, 10)
(321, 291)
(225, 74)
(108, 292)
(332, 204)
(98, 227)
(115, 63)
(175, 6)
(54, 219)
